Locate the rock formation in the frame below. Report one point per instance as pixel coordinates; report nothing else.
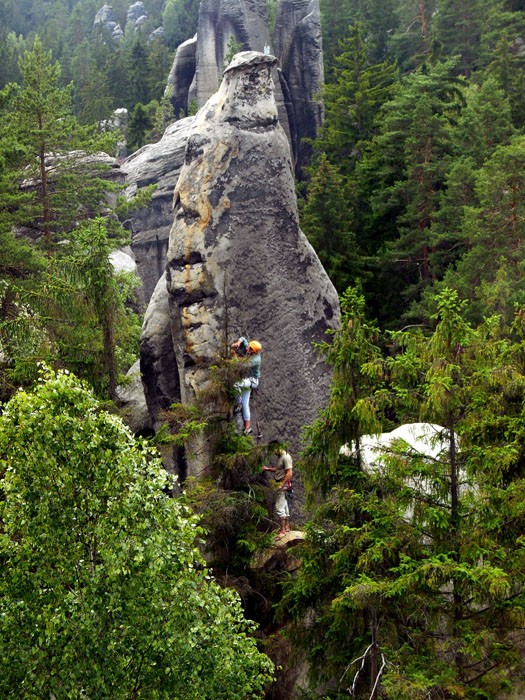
(136, 15)
(195, 76)
(199, 63)
(155, 164)
(298, 45)
(238, 263)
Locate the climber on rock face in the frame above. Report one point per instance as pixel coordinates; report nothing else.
(282, 475)
(252, 351)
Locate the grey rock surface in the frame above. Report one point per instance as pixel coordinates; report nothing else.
(244, 21)
(160, 374)
(155, 164)
(195, 76)
(132, 402)
(103, 16)
(181, 77)
(136, 12)
(238, 262)
(298, 43)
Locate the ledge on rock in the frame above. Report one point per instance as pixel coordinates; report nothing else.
(278, 555)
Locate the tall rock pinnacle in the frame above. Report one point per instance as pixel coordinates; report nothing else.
(238, 263)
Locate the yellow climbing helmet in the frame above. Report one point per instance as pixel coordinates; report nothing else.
(254, 346)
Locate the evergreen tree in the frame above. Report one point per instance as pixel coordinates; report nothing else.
(141, 123)
(179, 19)
(139, 71)
(65, 183)
(411, 576)
(11, 47)
(402, 174)
(60, 317)
(351, 101)
(485, 122)
(494, 231)
(326, 219)
(458, 28)
(411, 42)
(336, 17)
(506, 61)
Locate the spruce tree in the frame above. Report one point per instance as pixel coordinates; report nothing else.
(352, 100)
(413, 569)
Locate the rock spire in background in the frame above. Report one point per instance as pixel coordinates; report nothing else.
(296, 42)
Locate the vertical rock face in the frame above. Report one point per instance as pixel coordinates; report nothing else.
(181, 77)
(244, 21)
(155, 164)
(297, 45)
(238, 262)
(195, 76)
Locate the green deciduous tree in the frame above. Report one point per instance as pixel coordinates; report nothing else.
(103, 591)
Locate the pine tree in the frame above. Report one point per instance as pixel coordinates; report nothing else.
(411, 42)
(458, 29)
(179, 19)
(326, 219)
(413, 570)
(401, 176)
(494, 231)
(65, 183)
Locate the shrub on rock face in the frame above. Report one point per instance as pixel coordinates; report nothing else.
(102, 590)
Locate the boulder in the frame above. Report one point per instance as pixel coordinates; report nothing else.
(238, 262)
(279, 556)
(122, 260)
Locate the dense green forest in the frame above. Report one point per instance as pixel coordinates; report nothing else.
(415, 204)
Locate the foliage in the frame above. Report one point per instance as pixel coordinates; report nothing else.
(103, 590)
(326, 219)
(180, 20)
(417, 556)
(233, 47)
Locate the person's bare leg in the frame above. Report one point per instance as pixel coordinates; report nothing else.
(283, 530)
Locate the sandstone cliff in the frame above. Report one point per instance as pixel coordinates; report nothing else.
(195, 76)
(296, 42)
(238, 263)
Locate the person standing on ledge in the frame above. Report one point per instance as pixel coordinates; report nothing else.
(252, 351)
(282, 475)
